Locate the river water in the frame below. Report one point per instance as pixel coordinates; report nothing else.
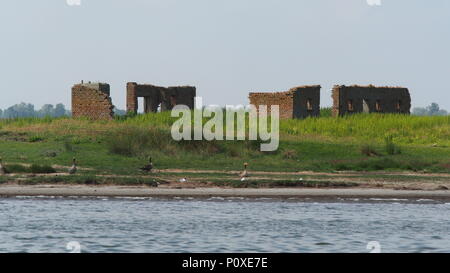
(43, 224)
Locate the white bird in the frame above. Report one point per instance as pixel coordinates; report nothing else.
(183, 180)
(244, 174)
(73, 169)
(2, 169)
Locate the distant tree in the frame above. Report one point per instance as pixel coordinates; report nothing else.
(419, 111)
(431, 110)
(27, 110)
(19, 111)
(60, 110)
(119, 112)
(46, 110)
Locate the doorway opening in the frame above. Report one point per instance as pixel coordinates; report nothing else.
(366, 108)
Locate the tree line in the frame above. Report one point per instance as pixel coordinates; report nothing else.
(28, 110)
(431, 110)
(23, 110)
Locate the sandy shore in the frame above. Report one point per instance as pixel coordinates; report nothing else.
(127, 191)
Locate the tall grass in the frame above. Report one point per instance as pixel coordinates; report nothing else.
(34, 168)
(374, 127)
(361, 128)
(391, 147)
(326, 112)
(132, 140)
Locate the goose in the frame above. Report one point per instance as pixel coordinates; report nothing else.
(148, 167)
(2, 169)
(73, 169)
(244, 174)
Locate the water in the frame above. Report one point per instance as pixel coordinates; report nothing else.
(223, 225)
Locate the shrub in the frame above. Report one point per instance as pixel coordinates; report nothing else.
(391, 147)
(68, 147)
(35, 168)
(35, 139)
(134, 140)
(290, 154)
(50, 153)
(16, 168)
(140, 141)
(326, 112)
(368, 150)
(416, 165)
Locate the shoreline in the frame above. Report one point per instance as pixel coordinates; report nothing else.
(140, 191)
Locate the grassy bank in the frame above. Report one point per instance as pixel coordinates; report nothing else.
(359, 143)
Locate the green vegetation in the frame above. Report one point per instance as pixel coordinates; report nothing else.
(91, 180)
(326, 112)
(391, 147)
(34, 168)
(369, 150)
(362, 142)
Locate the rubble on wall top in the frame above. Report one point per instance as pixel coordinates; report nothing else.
(293, 89)
(156, 86)
(368, 86)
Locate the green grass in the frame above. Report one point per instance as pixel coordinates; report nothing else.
(403, 129)
(34, 168)
(90, 180)
(360, 142)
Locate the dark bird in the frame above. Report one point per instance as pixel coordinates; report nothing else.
(73, 169)
(149, 167)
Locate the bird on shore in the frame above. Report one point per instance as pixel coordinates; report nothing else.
(2, 169)
(149, 167)
(183, 180)
(244, 174)
(73, 169)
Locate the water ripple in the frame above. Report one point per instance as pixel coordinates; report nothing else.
(222, 225)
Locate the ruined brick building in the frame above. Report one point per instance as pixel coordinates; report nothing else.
(298, 102)
(92, 100)
(370, 99)
(156, 97)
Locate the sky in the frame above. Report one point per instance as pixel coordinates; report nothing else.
(226, 48)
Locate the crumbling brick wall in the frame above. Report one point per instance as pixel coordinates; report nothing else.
(156, 96)
(370, 99)
(298, 102)
(92, 100)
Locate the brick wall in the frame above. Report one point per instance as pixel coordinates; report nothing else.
(155, 96)
(298, 102)
(92, 101)
(370, 99)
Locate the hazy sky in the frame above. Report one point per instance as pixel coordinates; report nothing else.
(226, 48)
